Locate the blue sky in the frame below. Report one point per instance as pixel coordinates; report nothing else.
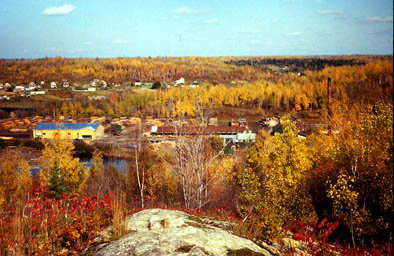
(128, 28)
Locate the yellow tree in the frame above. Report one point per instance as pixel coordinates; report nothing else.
(276, 176)
(64, 110)
(60, 171)
(15, 181)
(361, 150)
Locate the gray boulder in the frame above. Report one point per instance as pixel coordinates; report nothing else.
(170, 232)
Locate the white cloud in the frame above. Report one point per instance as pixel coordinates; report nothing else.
(59, 10)
(186, 10)
(252, 31)
(331, 12)
(210, 21)
(255, 42)
(378, 19)
(120, 41)
(294, 34)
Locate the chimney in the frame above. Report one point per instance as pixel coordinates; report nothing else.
(329, 110)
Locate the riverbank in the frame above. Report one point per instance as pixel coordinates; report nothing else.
(32, 156)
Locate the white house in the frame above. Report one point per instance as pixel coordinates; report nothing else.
(53, 85)
(19, 88)
(91, 89)
(180, 81)
(93, 82)
(98, 83)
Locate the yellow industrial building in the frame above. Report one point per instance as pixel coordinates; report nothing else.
(74, 131)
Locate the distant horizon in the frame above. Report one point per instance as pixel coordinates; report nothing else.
(88, 29)
(192, 56)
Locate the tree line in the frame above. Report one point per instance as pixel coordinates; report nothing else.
(165, 69)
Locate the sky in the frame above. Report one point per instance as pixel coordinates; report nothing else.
(131, 28)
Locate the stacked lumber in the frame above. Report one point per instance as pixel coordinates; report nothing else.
(155, 122)
(7, 125)
(21, 125)
(18, 130)
(134, 120)
(95, 119)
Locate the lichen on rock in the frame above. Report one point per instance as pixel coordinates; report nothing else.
(170, 232)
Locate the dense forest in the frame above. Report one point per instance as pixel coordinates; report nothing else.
(353, 84)
(333, 190)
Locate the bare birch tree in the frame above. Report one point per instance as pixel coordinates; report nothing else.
(140, 163)
(193, 160)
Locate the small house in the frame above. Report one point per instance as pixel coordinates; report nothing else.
(53, 85)
(213, 121)
(242, 122)
(19, 88)
(233, 123)
(180, 81)
(98, 83)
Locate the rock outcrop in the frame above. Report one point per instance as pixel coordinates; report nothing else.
(170, 232)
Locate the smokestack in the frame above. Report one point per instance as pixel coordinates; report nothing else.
(329, 111)
(329, 97)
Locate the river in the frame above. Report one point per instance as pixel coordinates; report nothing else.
(120, 164)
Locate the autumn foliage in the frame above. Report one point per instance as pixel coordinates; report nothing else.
(366, 83)
(333, 190)
(48, 226)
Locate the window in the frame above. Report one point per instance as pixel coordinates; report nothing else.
(86, 136)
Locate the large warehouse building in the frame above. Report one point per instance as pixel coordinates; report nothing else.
(74, 131)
